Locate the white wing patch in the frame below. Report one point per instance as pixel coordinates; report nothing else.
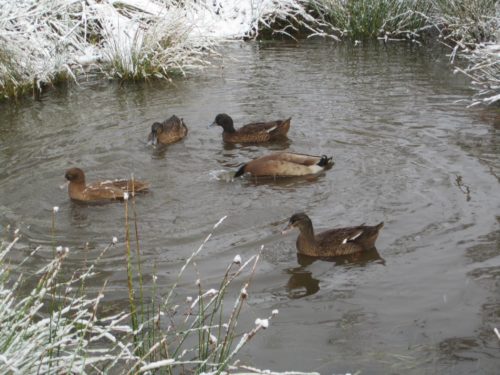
(271, 129)
(352, 238)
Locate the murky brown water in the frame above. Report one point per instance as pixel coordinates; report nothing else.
(427, 304)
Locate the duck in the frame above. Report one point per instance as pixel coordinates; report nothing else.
(167, 132)
(78, 190)
(251, 133)
(285, 164)
(333, 242)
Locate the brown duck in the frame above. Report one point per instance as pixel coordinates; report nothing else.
(333, 242)
(169, 131)
(256, 132)
(100, 191)
(285, 164)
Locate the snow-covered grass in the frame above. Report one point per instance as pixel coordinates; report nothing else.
(360, 19)
(46, 40)
(48, 325)
(471, 29)
(56, 328)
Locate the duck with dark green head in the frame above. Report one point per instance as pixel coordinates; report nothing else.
(251, 133)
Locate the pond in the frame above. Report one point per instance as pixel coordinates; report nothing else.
(405, 153)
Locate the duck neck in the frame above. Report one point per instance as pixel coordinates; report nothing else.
(228, 126)
(307, 231)
(76, 186)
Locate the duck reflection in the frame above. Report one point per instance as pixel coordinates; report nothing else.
(359, 259)
(302, 283)
(281, 144)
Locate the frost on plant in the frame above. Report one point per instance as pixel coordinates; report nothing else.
(54, 328)
(44, 41)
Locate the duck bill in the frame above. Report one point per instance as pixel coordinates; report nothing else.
(154, 139)
(287, 229)
(212, 125)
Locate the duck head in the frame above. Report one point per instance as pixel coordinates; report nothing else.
(225, 121)
(75, 175)
(299, 220)
(156, 130)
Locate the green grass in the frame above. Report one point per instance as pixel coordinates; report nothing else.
(361, 19)
(194, 336)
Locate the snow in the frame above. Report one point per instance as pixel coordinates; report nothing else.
(42, 38)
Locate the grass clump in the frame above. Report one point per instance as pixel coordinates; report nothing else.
(467, 22)
(56, 328)
(197, 335)
(361, 19)
(471, 29)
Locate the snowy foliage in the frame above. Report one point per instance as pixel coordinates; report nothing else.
(36, 338)
(46, 40)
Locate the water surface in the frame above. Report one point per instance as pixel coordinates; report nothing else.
(405, 153)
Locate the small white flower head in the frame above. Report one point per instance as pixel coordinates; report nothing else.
(155, 278)
(189, 299)
(66, 250)
(198, 282)
(211, 292)
(16, 231)
(237, 259)
(125, 196)
(115, 240)
(213, 339)
(275, 312)
(225, 326)
(264, 323)
(55, 209)
(244, 293)
(59, 250)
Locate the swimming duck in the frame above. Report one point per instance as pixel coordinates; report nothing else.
(100, 191)
(169, 131)
(333, 242)
(256, 132)
(285, 164)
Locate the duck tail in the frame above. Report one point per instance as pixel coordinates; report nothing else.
(379, 226)
(240, 171)
(325, 161)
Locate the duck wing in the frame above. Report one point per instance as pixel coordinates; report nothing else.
(174, 124)
(128, 185)
(296, 158)
(344, 241)
(258, 127)
(338, 236)
(278, 167)
(102, 191)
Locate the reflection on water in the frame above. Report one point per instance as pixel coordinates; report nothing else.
(302, 282)
(357, 259)
(404, 153)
